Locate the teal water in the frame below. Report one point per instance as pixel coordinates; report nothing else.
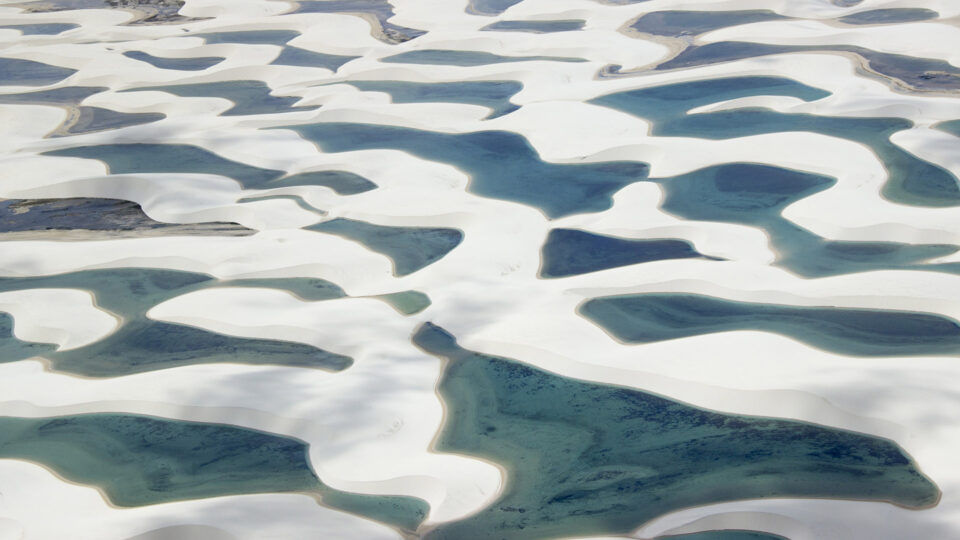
(652, 317)
(142, 460)
(142, 344)
(952, 127)
(890, 16)
(755, 195)
(342, 182)
(171, 158)
(536, 27)
(501, 164)
(13, 349)
(407, 302)
(570, 252)
(16, 72)
(249, 97)
(911, 179)
(493, 94)
(410, 248)
(593, 459)
(691, 23)
(182, 64)
(466, 58)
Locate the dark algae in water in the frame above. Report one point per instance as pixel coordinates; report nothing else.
(590, 459)
(141, 460)
(650, 317)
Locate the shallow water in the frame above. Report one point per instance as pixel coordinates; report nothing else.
(41, 29)
(569, 252)
(502, 165)
(466, 58)
(911, 179)
(889, 16)
(142, 344)
(248, 97)
(140, 460)
(182, 64)
(651, 317)
(17, 72)
(536, 27)
(410, 248)
(342, 182)
(173, 158)
(691, 23)
(592, 459)
(295, 56)
(756, 195)
(493, 94)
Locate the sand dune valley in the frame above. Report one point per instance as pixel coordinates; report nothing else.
(479, 269)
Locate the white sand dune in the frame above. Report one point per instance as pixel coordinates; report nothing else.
(372, 427)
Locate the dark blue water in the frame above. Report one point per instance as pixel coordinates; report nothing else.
(295, 56)
(466, 58)
(651, 317)
(42, 29)
(493, 94)
(922, 74)
(141, 460)
(691, 23)
(182, 64)
(536, 27)
(16, 72)
(570, 252)
(68, 95)
(911, 181)
(588, 459)
(489, 7)
(501, 164)
(410, 248)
